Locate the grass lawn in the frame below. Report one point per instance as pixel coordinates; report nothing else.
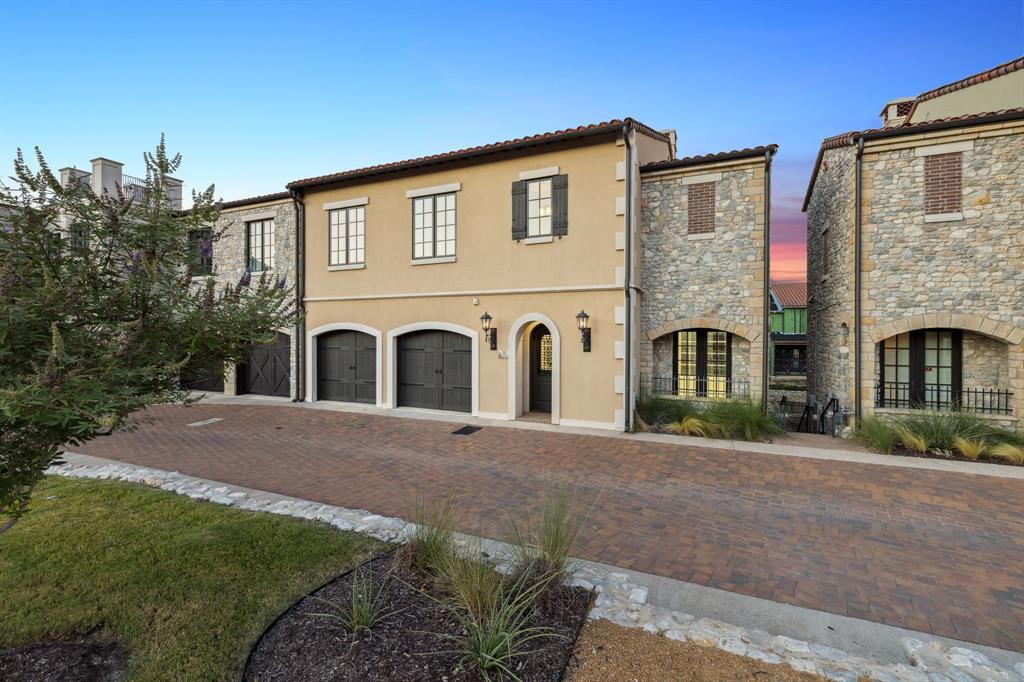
(186, 586)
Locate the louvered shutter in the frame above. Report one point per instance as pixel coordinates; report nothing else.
(560, 205)
(519, 209)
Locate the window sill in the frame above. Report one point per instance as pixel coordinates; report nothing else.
(350, 266)
(700, 235)
(546, 239)
(432, 261)
(944, 217)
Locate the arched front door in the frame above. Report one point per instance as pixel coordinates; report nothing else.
(541, 350)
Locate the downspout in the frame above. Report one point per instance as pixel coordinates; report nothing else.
(766, 322)
(857, 409)
(628, 283)
(300, 292)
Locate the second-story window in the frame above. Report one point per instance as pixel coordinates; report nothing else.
(538, 208)
(202, 249)
(433, 226)
(260, 244)
(347, 236)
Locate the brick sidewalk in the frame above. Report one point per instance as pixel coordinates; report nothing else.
(924, 550)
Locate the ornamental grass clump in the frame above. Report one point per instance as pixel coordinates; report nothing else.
(544, 541)
(939, 430)
(366, 603)
(433, 540)
(739, 420)
(692, 426)
(660, 411)
(470, 585)
(1010, 452)
(911, 439)
(971, 448)
(875, 434)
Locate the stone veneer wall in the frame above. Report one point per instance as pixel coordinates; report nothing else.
(230, 259)
(963, 274)
(711, 280)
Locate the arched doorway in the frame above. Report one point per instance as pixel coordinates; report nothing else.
(541, 366)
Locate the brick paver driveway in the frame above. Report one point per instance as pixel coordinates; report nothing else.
(931, 551)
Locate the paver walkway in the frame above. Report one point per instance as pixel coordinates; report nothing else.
(926, 550)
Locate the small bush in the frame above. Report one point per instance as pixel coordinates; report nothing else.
(1008, 452)
(471, 585)
(972, 449)
(692, 426)
(656, 411)
(912, 440)
(433, 541)
(875, 434)
(366, 604)
(740, 420)
(544, 542)
(941, 429)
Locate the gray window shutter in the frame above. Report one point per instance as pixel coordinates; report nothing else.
(519, 209)
(560, 205)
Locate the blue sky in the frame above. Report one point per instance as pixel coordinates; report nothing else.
(255, 94)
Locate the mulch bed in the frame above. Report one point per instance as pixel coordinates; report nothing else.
(408, 644)
(950, 455)
(85, 659)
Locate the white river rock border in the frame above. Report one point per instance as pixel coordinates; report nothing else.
(618, 600)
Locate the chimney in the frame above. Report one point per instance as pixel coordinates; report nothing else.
(69, 175)
(106, 176)
(671, 132)
(894, 113)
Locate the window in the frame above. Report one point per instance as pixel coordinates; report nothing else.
(943, 181)
(201, 244)
(260, 238)
(921, 369)
(433, 226)
(347, 236)
(700, 208)
(703, 363)
(538, 208)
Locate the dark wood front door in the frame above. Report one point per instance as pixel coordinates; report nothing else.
(346, 367)
(541, 356)
(435, 371)
(267, 372)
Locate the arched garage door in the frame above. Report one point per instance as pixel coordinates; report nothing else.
(435, 370)
(346, 367)
(268, 370)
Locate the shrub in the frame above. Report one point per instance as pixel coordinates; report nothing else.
(433, 541)
(972, 449)
(657, 411)
(740, 420)
(471, 585)
(366, 603)
(1008, 452)
(941, 429)
(911, 439)
(543, 542)
(692, 426)
(875, 434)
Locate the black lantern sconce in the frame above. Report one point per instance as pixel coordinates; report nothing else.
(583, 322)
(490, 334)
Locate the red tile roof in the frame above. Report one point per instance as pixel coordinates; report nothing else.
(482, 150)
(987, 75)
(851, 137)
(709, 158)
(260, 199)
(791, 294)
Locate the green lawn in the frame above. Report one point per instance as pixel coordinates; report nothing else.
(187, 586)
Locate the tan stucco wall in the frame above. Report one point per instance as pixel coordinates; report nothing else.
(584, 269)
(1005, 92)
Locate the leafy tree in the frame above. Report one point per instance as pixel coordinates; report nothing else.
(100, 313)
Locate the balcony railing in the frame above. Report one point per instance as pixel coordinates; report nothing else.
(697, 388)
(137, 186)
(982, 400)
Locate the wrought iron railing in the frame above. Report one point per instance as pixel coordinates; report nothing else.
(787, 365)
(694, 387)
(983, 400)
(137, 186)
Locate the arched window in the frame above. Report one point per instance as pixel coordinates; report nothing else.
(921, 369)
(703, 363)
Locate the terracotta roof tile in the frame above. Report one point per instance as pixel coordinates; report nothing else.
(987, 75)
(709, 158)
(482, 150)
(259, 199)
(791, 294)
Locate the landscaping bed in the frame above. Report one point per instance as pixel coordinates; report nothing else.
(725, 419)
(957, 436)
(111, 581)
(411, 640)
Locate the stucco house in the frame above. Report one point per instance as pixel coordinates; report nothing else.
(535, 278)
(915, 254)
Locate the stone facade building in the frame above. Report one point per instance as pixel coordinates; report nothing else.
(926, 277)
(255, 235)
(702, 275)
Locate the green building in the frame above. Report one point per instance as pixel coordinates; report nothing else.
(788, 343)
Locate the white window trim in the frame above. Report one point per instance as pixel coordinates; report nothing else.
(943, 217)
(697, 236)
(544, 239)
(347, 266)
(539, 173)
(948, 148)
(347, 203)
(436, 189)
(703, 177)
(432, 261)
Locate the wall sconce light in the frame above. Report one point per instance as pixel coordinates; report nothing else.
(583, 322)
(490, 334)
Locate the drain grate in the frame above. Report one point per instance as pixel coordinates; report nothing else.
(466, 430)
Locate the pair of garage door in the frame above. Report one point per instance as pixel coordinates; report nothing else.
(434, 369)
(266, 371)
